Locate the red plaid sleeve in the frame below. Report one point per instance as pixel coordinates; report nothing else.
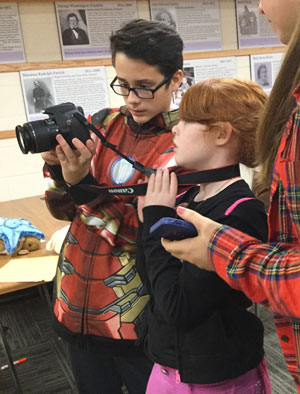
(266, 273)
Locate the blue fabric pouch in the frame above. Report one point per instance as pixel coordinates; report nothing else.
(12, 230)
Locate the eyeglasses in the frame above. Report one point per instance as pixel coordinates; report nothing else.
(142, 93)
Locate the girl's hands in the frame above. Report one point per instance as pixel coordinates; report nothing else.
(162, 189)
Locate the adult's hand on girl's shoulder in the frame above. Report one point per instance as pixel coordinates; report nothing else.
(193, 250)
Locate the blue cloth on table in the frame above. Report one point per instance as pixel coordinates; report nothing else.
(12, 230)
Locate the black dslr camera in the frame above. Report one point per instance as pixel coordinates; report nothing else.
(39, 136)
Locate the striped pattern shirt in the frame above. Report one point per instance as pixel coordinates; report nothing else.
(270, 273)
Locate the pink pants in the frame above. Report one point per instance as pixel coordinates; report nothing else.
(164, 380)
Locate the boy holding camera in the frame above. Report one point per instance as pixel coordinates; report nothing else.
(98, 295)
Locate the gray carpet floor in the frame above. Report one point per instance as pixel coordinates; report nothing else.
(47, 369)
(281, 380)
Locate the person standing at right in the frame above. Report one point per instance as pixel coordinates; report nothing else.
(268, 273)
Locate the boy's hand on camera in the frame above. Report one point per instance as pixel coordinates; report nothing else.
(162, 189)
(50, 157)
(75, 164)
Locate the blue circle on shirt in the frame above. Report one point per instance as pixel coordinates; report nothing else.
(121, 171)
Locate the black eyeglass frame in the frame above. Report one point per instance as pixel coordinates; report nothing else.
(135, 90)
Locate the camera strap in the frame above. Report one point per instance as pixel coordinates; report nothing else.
(101, 116)
(185, 180)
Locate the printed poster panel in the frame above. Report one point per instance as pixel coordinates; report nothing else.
(85, 28)
(82, 86)
(197, 22)
(264, 69)
(199, 69)
(11, 41)
(254, 30)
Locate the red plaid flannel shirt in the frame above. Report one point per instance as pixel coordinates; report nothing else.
(270, 273)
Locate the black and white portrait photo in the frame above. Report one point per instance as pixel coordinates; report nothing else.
(74, 27)
(39, 94)
(263, 74)
(247, 22)
(165, 16)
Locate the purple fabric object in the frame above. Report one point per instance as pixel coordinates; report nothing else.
(166, 380)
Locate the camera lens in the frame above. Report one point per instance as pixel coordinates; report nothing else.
(26, 139)
(37, 136)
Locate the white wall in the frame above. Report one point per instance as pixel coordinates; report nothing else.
(20, 175)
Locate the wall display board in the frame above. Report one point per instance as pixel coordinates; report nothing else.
(264, 69)
(198, 22)
(11, 41)
(254, 30)
(199, 69)
(83, 86)
(36, 56)
(85, 28)
(201, 23)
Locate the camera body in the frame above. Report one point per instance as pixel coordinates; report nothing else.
(40, 135)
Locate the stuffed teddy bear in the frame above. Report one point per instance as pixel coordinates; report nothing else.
(19, 236)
